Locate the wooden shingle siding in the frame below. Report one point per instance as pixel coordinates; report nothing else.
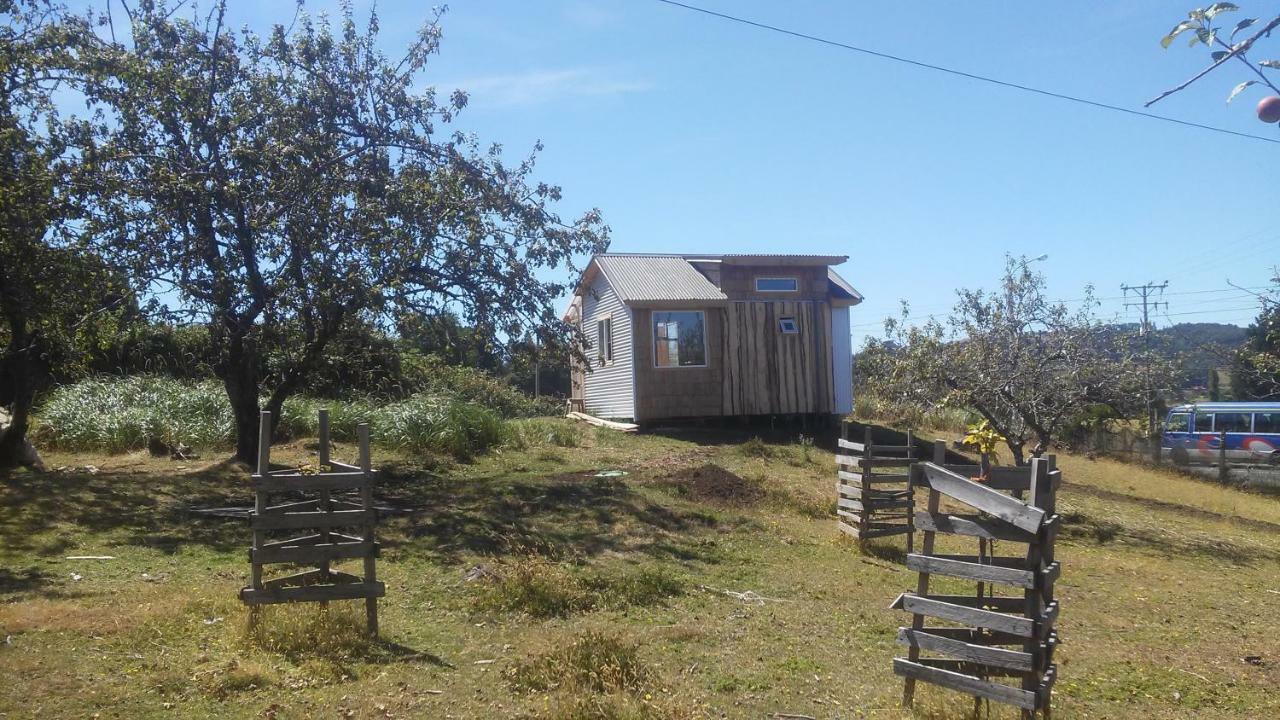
(608, 388)
(738, 282)
(675, 392)
(773, 373)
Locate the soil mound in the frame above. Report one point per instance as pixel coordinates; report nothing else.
(713, 483)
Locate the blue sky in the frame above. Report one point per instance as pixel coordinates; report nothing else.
(695, 134)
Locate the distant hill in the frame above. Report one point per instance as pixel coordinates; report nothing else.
(1202, 345)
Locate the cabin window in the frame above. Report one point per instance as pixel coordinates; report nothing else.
(787, 326)
(1266, 422)
(679, 339)
(1204, 422)
(769, 284)
(1231, 422)
(1177, 423)
(604, 340)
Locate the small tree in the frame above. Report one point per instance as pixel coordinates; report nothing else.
(282, 186)
(1255, 368)
(55, 298)
(1025, 364)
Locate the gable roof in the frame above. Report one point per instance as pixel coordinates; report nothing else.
(671, 277)
(642, 278)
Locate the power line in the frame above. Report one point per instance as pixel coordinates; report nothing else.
(961, 73)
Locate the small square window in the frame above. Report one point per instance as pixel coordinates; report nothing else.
(787, 326)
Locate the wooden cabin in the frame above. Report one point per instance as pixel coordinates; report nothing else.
(691, 336)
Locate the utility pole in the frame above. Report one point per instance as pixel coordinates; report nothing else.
(1146, 293)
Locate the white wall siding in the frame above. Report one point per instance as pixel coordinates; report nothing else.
(842, 360)
(608, 390)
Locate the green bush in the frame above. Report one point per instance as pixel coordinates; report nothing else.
(438, 424)
(118, 414)
(108, 414)
(430, 374)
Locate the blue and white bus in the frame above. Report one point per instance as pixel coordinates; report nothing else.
(1193, 433)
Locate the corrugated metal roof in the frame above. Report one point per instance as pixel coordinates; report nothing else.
(641, 278)
(834, 278)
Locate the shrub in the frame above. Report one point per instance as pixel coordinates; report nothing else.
(438, 424)
(119, 414)
(430, 374)
(757, 448)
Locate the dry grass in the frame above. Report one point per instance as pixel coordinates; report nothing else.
(1168, 583)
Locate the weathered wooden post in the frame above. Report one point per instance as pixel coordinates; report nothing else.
(1224, 474)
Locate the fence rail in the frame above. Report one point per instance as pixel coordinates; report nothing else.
(873, 487)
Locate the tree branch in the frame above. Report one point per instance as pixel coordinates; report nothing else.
(1240, 49)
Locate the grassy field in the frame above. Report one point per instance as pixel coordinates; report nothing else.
(520, 585)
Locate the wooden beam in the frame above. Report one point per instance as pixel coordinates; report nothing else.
(314, 593)
(977, 526)
(982, 498)
(322, 481)
(966, 684)
(294, 521)
(961, 609)
(981, 653)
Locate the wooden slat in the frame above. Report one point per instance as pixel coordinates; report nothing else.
(874, 532)
(974, 635)
(972, 570)
(964, 683)
(850, 460)
(872, 505)
(324, 481)
(873, 479)
(979, 653)
(972, 526)
(850, 445)
(313, 553)
(309, 593)
(983, 498)
(848, 529)
(965, 613)
(293, 521)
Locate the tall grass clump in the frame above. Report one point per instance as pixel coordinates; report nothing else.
(541, 432)
(119, 414)
(430, 374)
(439, 424)
(593, 662)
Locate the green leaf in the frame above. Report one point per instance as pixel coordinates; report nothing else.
(1180, 28)
(1240, 88)
(1273, 64)
(1218, 8)
(1218, 55)
(1242, 25)
(1205, 36)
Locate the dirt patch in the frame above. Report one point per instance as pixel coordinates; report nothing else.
(712, 483)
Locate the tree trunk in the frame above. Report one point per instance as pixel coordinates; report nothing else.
(18, 390)
(239, 371)
(1015, 449)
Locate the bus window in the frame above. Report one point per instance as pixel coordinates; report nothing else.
(1266, 422)
(1231, 422)
(1204, 422)
(1177, 423)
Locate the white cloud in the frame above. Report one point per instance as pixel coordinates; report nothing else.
(537, 87)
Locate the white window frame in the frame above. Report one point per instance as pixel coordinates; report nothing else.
(788, 320)
(653, 340)
(794, 280)
(604, 353)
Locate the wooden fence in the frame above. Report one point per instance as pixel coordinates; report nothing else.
(998, 636)
(323, 514)
(873, 488)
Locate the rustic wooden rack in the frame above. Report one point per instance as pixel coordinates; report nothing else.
(322, 514)
(1010, 636)
(873, 488)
